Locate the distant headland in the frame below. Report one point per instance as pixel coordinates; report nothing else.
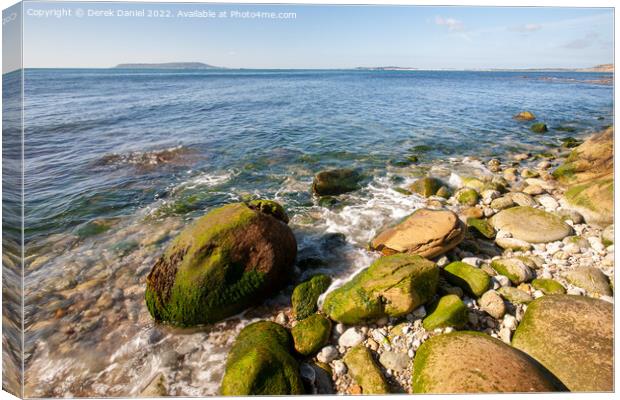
(170, 65)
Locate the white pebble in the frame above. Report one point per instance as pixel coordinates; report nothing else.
(504, 335)
(350, 338)
(340, 368)
(328, 354)
(475, 261)
(510, 322)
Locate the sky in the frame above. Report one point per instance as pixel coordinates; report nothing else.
(320, 36)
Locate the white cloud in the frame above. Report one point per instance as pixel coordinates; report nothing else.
(454, 25)
(526, 28)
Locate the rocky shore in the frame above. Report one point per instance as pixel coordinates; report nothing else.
(502, 282)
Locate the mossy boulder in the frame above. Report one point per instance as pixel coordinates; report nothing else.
(473, 183)
(539, 127)
(306, 294)
(514, 268)
(426, 232)
(531, 224)
(469, 278)
(392, 286)
(573, 337)
(223, 263)
(473, 362)
(365, 371)
(336, 181)
(525, 116)
(260, 363)
(592, 279)
(426, 186)
(548, 286)
(449, 311)
(310, 334)
(593, 159)
(514, 295)
(594, 200)
(467, 196)
(481, 226)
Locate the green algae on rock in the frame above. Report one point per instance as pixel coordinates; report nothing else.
(548, 286)
(336, 181)
(473, 362)
(426, 186)
(259, 363)
(514, 295)
(467, 196)
(593, 280)
(572, 336)
(514, 268)
(365, 371)
(310, 334)
(449, 311)
(306, 294)
(221, 264)
(594, 200)
(539, 127)
(392, 286)
(531, 224)
(469, 278)
(482, 226)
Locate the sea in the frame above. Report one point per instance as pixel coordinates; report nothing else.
(118, 161)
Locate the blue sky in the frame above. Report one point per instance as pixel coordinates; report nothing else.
(323, 37)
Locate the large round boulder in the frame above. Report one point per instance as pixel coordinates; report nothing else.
(473, 362)
(593, 199)
(223, 263)
(531, 224)
(392, 286)
(336, 181)
(572, 336)
(427, 233)
(260, 363)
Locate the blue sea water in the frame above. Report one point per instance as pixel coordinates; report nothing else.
(118, 161)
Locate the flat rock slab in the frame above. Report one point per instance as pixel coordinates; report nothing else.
(593, 280)
(572, 336)
(472, 362)
(427, 233)
(531, 224)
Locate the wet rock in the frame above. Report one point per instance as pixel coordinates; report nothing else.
(221, 264)
(305, 295)
(548, 286)
(515, 295)
(539, 127)
(426, 186)
(492, 304)
(525, 116)
(259, 363)
(311, 334)
(428, 233)
(471, 279)
(449, 311)
(530, 224)
(515, 269)
(365, 372)
(472, 362)
(392, 286)
(336, 181)
(572, 336)
(591, 279)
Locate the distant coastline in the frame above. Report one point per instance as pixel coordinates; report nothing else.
(170, 65)
(598, 68)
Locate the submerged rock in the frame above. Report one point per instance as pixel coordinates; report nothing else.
(449, 311)
(572, 336)
(472, 362)
(392, 286)
(336, 181)
(306, 294)
(259, 363)
(364, 371)
(428, 233)
(531, 224)
(225, 262)
(539, 127)
(311, 334)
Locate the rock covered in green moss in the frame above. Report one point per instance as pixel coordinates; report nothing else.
(573, 337)
(467, 196)
(392, 286)
(473, 183)
(223, 263)
(531, 224)
(482, 226)
(336, 181)
(260, 363)
(593, 280)
(548, 286)
(469, 278)
(444, 192)
(473, 362)
(539, 127)
(426, 186)
(449, 311)
(514, 268)
(365, 371)
(310, 334)
(514, 295)
(594, 200)
(306, 294)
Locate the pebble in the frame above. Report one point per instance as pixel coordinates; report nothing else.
(493, 304)
(350, 338)
(548, 202)
(340, 328)
(340, 368)
(505, 335)
(281, 319)
(502, 280)
(510, 322)
(419, 312)
(475, 261)
(328, 354)
(394, 361)
(443, 261)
